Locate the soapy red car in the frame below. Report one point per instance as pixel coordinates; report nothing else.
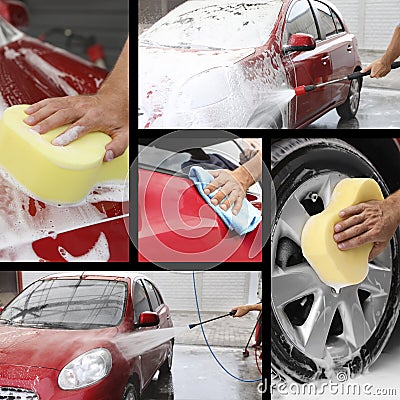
(234, 64)
(96, 230)
(59, 338)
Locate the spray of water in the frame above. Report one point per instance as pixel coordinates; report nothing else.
(134, 344)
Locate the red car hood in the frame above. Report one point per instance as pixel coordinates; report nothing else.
(163, 71)
(48, 348)
(175, 224)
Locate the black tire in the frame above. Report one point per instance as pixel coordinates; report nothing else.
(294, 163)
(130, 392)
(349, 108)
(166, 367)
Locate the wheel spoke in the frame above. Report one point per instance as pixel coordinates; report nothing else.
(315, 329)
(355, 326)
(377, 280)
(292, 284)
(295, 216)
(325, 192)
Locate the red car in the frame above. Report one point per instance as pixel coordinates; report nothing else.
(60, 338)
(174, 222)
(32, 70)
(234, 64)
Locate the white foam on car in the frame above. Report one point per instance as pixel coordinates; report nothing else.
(170, 79)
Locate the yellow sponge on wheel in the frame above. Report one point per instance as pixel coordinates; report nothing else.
(55, 174)
(338, 268)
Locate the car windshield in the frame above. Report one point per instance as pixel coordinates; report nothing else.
(214, 24)
(179, 163)
(8, 33)
(68, 304)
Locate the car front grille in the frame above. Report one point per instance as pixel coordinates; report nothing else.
(9, 393)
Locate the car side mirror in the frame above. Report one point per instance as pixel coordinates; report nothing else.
(299, 42)
(148, 318)
(15, 12)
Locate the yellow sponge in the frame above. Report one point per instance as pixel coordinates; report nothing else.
(55, 174)
(338, 268)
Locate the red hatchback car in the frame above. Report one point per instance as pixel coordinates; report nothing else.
(234, 64)
(59, 338)
(94, 230)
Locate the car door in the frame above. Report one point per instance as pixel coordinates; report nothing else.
(341, 48)
(141, 303)
(306, 67)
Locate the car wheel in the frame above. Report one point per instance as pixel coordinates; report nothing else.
(316, 332)
(167, 365)
(349, 108)
(130, 392)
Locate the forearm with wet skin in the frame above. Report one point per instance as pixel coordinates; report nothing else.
(393, 50)
(250, 172)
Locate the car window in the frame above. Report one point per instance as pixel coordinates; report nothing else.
(338, 22)
(222, 24)
(151, 291)
(69, 304)
(300, 19)
(140, 301)
(326, 18)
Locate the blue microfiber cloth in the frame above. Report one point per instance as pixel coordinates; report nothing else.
(247, 218)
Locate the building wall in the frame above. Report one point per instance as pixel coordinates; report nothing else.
(372, 21)
(216, 290)
(107, 20)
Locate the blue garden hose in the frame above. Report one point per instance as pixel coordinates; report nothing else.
(208, 345)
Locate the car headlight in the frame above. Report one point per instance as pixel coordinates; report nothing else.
(208, 87)
(85, 370)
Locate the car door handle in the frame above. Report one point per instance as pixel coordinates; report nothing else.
(325, 59)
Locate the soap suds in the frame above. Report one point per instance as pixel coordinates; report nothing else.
(68, 136)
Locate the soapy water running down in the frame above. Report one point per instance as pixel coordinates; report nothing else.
(134, 344)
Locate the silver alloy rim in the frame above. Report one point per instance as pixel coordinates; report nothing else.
(292, 283)
(354, 95)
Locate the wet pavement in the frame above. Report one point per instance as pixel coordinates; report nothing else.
(197, 376)
(379, 103)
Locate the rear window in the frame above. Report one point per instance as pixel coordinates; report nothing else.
(69, 304)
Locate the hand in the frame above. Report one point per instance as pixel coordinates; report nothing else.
(378, 68)
(372, 221)
(241, 310)
(87, 113)
(232, 184)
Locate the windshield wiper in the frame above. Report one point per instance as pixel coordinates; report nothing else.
(43, 325)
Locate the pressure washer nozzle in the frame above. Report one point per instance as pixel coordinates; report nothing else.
(192, 326)
(246, 353)
(233, 312)
(299, 90)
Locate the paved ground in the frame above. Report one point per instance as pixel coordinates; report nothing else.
(226, 332)
(197, 376)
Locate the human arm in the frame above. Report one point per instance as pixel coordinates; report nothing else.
(382, 66)
(372, 221)
(106, 111)
(244, 309)
(234, 184)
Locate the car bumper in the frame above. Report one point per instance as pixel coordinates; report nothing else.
(41, 384)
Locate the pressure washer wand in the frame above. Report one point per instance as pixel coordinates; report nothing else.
(299, 90)
(233, 312)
